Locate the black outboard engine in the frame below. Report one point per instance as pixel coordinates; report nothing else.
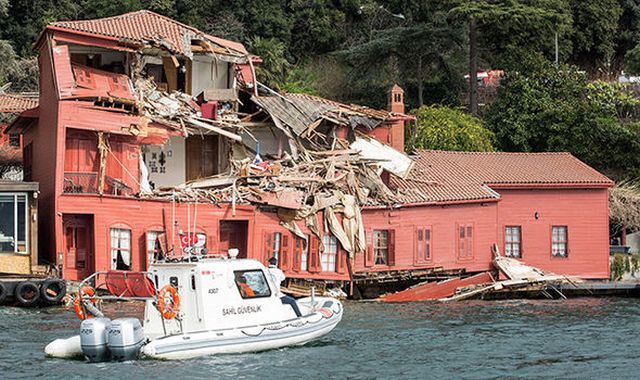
(126, 337)
(93, 339)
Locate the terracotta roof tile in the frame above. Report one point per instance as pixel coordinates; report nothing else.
(10, 103)
(440, 176)
(142, 26)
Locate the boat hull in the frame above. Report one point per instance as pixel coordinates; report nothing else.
(297, 331)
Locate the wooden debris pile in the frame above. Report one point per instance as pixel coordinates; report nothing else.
(521, 277)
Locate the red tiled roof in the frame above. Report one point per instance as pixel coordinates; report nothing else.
(440, 176)
(15, 104)
(143, 26)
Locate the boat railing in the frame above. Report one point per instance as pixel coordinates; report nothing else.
(122, 285)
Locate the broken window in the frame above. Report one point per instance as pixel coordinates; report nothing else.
(559, 241)
(13, 223)
(381, 247)
(328, 257)
(513, 241)
(120, 249)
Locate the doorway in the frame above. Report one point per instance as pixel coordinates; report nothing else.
(233, 234)
(78, 248)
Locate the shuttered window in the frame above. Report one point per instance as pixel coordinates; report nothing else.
(381, 247)
(465, 241)
(423, 244)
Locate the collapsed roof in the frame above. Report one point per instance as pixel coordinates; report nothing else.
(144, 29)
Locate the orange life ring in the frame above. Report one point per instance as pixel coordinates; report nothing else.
(170, 309)
(78, 304)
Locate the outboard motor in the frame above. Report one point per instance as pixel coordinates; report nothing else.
(94, 338)
(126, 337)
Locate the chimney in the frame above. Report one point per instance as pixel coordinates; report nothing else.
(395, 99)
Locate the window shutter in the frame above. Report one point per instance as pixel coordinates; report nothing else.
(417, 241)
(368, 257)
(313, 256)
(469, 238)
(267, 247)
(297, 253)
(341, 260)
(391, 260)
(285, 253)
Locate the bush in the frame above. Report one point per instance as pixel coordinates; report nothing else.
(446, 128)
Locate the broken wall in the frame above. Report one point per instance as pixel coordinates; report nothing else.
(208, 73)
(166, 163)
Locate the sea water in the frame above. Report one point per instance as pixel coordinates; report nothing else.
(577, 338)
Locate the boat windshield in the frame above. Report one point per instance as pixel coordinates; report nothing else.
(252, 283)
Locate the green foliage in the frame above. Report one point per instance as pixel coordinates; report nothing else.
(633, 60)
(622, 264)
(553, 108)
(274, 68)
(510, 29)
(445, 128)
(595, 27)
(22, 73)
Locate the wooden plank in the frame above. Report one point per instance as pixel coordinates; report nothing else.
(437, 290)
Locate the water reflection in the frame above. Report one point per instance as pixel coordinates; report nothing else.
(474, 339)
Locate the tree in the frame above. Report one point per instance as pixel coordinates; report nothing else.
(595, 27)
(22, 73)
(274, 67)
(446, 128)
(554, 108)
(389, 49)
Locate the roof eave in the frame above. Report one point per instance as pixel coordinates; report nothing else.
(564, 185)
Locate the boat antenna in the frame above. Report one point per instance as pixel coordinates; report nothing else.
(195, 218)
(173, 222)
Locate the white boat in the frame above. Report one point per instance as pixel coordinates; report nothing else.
(205, 307)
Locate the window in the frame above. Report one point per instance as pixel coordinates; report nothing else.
(14, 140)
(328, 257)
(275, 248)
(424, 244)
(381, 247)
(465, 241)
(559, 241)
(120, 249)
(513, 241)
(153, 246)
(13, 223)
(252, 283)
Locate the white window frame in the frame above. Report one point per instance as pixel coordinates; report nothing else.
(510, 242)
(113, 249)
(15, 225)
(328, 257)
(381, 252)
(304, 254)
(556, 244)
(151, 244)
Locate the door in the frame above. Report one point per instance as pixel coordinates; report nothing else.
(78, 235)
(202, 156)
(233, 234)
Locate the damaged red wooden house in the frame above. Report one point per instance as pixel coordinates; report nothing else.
(148, 127)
